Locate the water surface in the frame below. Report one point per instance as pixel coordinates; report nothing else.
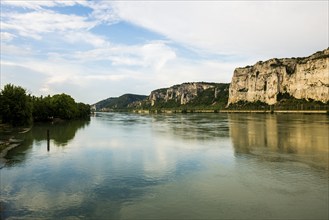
(192, 166)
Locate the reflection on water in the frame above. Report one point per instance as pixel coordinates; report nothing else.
(179, 166)
(193, 126)
(61, 134)
(302, 138)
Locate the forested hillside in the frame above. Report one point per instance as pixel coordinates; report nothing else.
(126, 101)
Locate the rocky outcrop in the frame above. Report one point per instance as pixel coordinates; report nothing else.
(182, 94)
(302, 78)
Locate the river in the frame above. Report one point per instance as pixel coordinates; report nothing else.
(170, 166)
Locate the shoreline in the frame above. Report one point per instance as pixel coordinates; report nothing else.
(9, 142)
(277, 111)
(5, 151)
(173, 111)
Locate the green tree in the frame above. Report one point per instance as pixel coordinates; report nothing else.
(16, 105)
(64, 106)
(83, 110)
(43, 108)
(58, 106)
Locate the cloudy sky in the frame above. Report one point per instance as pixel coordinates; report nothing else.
(98, 49)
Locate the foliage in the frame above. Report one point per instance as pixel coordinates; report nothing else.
(244, 105)
(43, 108)
(18, 108)
(284, 102)
(205, 100)
(125, 101)
(214, 99)
(15, 105)
(60, 106)
(83, 110)
(208, 98)
(64, 106)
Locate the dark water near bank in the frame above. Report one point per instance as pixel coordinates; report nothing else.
(192, 166)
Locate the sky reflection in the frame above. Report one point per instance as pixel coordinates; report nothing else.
(168, 166)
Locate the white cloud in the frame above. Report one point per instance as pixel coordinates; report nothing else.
(250, 27)
(76, 37)
(33, 24)
(5, 36)
(74, 78)
(104, 12)
(40, 4)
(35, 5)
(152, 54)
(43, 77)
(184, 70)
(9, 49)
(69, 56)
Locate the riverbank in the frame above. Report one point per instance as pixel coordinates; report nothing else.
(172, 111)
(277, 111)
(5, 148)
(8, 140)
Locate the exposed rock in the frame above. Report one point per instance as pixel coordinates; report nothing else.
(303, 78)
(182, 94)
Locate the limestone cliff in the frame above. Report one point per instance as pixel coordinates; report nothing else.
(188, 92)
(180, 93)
(303, 78)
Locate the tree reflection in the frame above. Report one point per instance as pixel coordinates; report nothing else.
(61, 133)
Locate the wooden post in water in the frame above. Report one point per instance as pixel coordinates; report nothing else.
(48, 140)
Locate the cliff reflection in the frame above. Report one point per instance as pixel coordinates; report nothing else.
(199, 126)
(302, 138)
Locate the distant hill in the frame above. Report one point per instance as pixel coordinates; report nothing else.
(123, 102)
(185, 96)
(275, 84)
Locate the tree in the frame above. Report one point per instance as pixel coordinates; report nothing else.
(18, 108)
(16, 105)
(83, 110)
(42, 108)
(64, 106)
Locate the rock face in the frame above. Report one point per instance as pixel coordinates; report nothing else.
(181, 94)
(303, 78)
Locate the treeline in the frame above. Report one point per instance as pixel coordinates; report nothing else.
(19, 108)
(284, 102)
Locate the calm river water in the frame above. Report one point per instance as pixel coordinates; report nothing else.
(171, 166)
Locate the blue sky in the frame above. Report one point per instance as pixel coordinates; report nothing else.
(98, 49)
